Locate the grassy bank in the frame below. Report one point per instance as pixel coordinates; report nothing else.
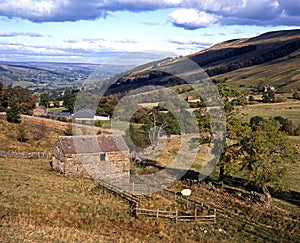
(38, 204)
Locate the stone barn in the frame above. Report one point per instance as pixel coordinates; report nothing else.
(104, 157)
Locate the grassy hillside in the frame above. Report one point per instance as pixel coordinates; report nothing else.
(39, 205)
(272, 58)
(28, 137)
(283, 73)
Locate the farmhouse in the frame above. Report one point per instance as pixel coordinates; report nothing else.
(99, 157)
(89, 115)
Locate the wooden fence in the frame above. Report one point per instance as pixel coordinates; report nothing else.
(188, 202)
(119, 191)
(174, 215)
(129, 193)
(156, 213)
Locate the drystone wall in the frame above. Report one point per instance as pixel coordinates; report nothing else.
(116, 164)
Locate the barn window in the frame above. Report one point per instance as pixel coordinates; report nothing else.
(102, 157)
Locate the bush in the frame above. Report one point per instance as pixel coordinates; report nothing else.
(296, 96)
(251, 98)
(285, 125)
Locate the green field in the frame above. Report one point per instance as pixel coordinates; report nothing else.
(289, 110)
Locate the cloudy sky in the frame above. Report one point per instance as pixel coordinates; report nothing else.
(100, 31)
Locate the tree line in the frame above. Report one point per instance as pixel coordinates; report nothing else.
(259, 150)
(15, 101)
(255, 60)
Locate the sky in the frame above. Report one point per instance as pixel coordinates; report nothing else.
(138, 31)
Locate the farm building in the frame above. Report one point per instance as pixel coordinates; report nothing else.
(89, 115)
(40, 111)
(99, 157)
(59, 115)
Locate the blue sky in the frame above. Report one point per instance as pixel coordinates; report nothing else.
(100, 31)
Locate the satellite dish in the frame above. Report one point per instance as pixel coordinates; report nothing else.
(186, 192)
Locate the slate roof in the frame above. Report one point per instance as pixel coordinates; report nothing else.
(92, 144)
(59, 114)
(84, 114)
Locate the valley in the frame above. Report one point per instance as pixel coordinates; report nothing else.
(253, 186)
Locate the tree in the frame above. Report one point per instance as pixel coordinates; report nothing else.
(69, 100)
(255, 121)
(268, 151)
(139, 136)
(231, 97)
(268, 95)
(231, 158)
(13, 113)
(2, 108)
(21, 133)
(23, 98)
(20, 97)
(285, 125)
(45, 100)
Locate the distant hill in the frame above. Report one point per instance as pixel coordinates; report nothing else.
(46, 75)
(271, 58)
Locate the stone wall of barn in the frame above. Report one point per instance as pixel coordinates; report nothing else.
(120, 160)
(58, 159)
(116, 164)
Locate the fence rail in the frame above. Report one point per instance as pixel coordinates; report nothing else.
(127, 192)
(156, 213)
(184, 200)
(175, 215)
(119, 191)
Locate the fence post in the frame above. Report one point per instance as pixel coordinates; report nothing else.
(157, 213)
(132, 187)
(215, 215)
(195, 214)
(176, 215)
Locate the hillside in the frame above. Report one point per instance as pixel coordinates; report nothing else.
(272, 58)
(46, 75)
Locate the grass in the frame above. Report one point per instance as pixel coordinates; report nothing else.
(38, 137)
(170, 151)
(295, 139)
(289, 110)
(56, 109)
(38, 205)
(34, 199)
(277, 73)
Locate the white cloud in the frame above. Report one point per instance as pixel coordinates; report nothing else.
(77, 51)
(189, 41)
(192, 18)
(14, 34)
(217, 6)
(202, 13)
